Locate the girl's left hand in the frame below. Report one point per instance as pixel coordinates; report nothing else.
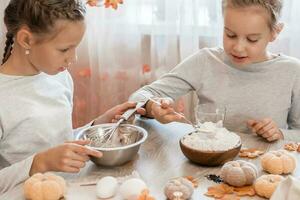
(114, 114)
(265, 128)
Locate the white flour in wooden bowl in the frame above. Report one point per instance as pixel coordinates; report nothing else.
(210, 137)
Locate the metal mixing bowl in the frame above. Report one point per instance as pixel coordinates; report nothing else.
(115, 156)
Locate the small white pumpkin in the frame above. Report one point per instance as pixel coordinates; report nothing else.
(266, 184)
(132, 188)
(182, 185)
(107, 187)
(239, 173)
(278, 162)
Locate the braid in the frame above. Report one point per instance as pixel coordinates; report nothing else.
(8, 47)
(41, 15)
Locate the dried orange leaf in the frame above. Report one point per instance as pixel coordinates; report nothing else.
(229, 197)
(219, 191)
(113, 3)
(145, 195)
(92, 2)
(193, 180)
(250, 153)
(245, 191)
(291, 146)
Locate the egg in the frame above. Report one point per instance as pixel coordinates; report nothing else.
(132, 188)
(107, 187)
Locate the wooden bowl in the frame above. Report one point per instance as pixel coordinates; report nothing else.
(209, 158)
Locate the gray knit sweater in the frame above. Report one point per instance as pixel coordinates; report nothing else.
(267, 89)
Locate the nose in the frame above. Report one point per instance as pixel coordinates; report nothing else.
(72, 58)
(239, 46)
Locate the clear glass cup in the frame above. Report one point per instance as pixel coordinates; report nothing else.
(210, 113)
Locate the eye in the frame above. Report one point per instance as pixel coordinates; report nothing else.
(230, 36)
(252, 40)
(64, 50)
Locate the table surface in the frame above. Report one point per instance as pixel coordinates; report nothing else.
(160, 159)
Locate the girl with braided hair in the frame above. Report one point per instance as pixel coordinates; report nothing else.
(36, 91)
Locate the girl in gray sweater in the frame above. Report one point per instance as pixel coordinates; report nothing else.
(260, 90)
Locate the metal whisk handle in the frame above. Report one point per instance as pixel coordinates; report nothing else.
(130, 112)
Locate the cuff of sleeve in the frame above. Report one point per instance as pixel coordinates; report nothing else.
(140, 96)
(18, 172)
(27, 165)
(291, 135)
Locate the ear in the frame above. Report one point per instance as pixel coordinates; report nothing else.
(277, 29)
(25, 38)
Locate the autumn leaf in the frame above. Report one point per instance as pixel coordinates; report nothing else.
(85, 72)
(92, 3)
(291, 146)
(146, 68)
(113, 3)
(219, 191)
(145, 195)
(250, 153)
(229, 197)
(244, 191)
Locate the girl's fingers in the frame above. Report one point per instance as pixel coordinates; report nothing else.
(260, 125)
(76, 163)
(117, 117)
(127, 105)
(266, 128)
(141, 111)
(273, 137)
(269, 133)
(166, 103)
(86, 151)
(158, 111)
(70, 169)
(172, 118)
(79, 157)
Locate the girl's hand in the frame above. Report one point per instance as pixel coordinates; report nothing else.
(164, 112)
(114, 114)
(68, 157)
(265, 128)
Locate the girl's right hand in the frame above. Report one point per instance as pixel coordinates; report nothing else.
(164, 111)
(68, 157)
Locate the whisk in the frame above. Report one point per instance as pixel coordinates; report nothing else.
(102, 139)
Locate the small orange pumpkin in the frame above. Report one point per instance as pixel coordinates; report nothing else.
(278, 162)
(44, 187)
(266, 184)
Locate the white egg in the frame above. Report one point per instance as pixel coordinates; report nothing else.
(132, 188)
(107, 187)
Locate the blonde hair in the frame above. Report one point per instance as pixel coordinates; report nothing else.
(273, 7)
(39, 16)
